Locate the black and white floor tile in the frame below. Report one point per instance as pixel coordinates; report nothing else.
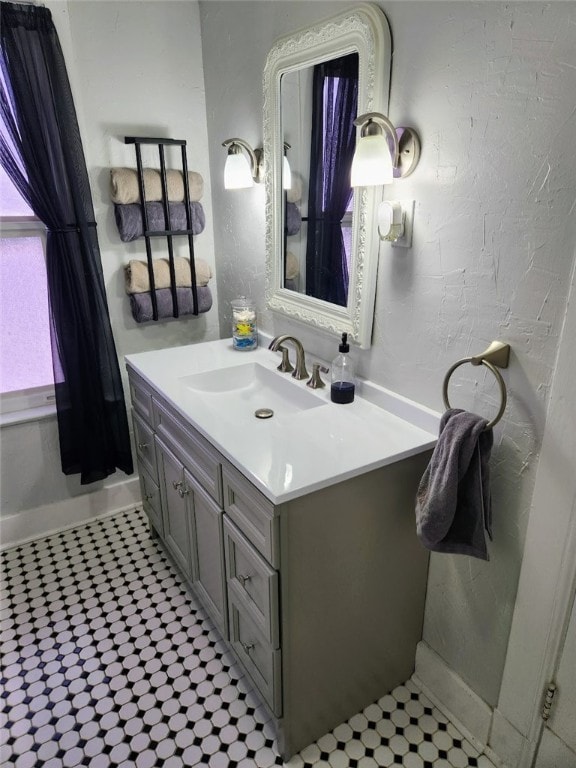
(108, 661)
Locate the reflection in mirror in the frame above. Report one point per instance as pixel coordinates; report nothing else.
(321, 238)
(317, 255)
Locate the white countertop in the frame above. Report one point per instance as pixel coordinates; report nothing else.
(290, 455)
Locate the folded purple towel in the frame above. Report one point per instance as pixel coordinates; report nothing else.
(130, 225)
(141, 303)
(293, 219)
(453, 505)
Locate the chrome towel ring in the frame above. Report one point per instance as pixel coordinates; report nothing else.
(496, 356)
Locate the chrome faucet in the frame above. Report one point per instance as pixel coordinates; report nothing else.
(300, 371)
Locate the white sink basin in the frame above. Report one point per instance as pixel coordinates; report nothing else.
(246, 388)
(303, 447)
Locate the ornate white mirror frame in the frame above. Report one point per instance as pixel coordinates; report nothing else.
(363, 29)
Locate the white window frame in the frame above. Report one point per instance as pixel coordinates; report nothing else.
(37, 402)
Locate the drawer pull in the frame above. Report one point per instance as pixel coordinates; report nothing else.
(243, 579)
(143, 446)
(247, 647)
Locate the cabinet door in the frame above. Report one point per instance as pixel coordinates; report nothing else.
(262, 662)
(174, 506)
(253, 513)
(253, 582)
(141, 395)
(144, 440)
(196, 453)
(207, 548)
(151, 499)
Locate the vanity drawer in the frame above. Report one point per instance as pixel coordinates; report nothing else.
(261, 661)
(194, 451)
(144, 439)
(141, 396)
(252, 581)
(151, 499)
(254, 515)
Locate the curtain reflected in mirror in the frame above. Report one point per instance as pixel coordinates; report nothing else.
(319, 105)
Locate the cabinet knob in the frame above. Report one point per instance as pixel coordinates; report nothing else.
(247, 647)
(243, 579)
(148, 496)
(177, 484)
(143, 446)
(183, 491)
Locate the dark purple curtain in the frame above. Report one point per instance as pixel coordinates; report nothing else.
(42, 153)
(334, 109)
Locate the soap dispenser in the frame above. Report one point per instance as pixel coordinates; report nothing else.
(342, 375)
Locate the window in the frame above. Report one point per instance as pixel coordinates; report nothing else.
(26, 378)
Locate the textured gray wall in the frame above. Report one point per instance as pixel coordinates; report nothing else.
(490, 88)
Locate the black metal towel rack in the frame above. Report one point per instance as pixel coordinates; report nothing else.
(167, 233)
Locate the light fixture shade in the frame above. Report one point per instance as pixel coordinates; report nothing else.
(237, 172)
(286, 174)
(372, 163)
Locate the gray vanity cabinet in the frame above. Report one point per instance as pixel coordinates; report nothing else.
(321, 598)
(326, 594)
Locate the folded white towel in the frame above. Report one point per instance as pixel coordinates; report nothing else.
(124, 188)
(294, 194)
(138, 280)
(292, 266)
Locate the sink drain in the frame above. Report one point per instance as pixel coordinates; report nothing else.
(264, 413)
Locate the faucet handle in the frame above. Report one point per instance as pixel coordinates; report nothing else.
(285, 366)
(315, 381)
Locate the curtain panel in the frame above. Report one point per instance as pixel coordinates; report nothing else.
(41, 150)
(334, 109)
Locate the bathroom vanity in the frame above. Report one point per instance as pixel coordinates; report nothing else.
(297, 532)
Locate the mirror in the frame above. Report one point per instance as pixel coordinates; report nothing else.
(321, 236)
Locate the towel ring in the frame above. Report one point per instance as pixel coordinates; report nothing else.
(496, 373)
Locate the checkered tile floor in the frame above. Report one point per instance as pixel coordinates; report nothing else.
(107, 660)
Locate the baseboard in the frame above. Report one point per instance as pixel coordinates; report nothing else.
(508, 742)
(553, 751)
(469, 713)
(51, 518)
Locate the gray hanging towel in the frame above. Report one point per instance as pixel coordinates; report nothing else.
(453, 505)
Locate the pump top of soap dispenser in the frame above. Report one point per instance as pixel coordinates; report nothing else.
(344, 346)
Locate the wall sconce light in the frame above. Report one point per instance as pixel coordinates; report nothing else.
(238, 172)
(383, 152)
(286, 172)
